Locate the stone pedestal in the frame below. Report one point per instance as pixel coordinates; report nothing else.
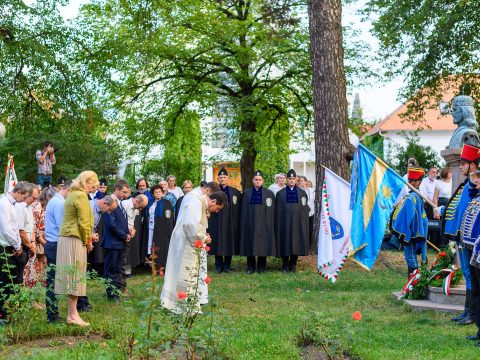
(437, 301)
(452, 158)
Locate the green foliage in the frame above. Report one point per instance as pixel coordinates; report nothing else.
(44, 94)
(426, 42)
(425, 155)
(252, 56)
(375, 144)
(273, 148)
(182, 154)
(76, 152)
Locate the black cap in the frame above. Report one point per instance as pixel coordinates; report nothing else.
(223, 171)
(61, 180)
(258, 173)
(291, 173)
(103, 182)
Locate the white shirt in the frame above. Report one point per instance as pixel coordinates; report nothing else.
(25, 218)
(427, 187)
(177, 192)
(97, 213)
(444, 189)
(131, 212)
(9, 235)
(311, 200)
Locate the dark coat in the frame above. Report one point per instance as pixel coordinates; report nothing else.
(135, 257)
(162, 231)
(224, 226)
(257, 225)
(115, 230)
(291, 223)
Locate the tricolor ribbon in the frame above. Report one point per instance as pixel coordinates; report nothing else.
(447, 280)
(415, 275)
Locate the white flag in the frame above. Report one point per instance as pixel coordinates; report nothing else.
(335, 223)
(10, 176)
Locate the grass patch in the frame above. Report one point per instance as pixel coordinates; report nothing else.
(268, 316)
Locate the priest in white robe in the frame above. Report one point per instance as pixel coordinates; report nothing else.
(184, 268)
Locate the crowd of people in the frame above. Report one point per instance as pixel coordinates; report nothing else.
(53, 235)
(459, 212)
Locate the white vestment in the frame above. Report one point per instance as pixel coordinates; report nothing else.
(182, 263)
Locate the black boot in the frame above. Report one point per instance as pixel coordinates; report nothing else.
(466, 310)
(468, 318)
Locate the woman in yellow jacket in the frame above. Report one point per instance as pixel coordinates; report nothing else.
(74, 240)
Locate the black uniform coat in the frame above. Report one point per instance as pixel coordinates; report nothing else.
(162, 230)
(224, 226)
(138, 251)
(135, 257)
(257, 226)
(291, 223)
(96, 256)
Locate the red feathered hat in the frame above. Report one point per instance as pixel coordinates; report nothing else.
(470, 153)
(415, 173)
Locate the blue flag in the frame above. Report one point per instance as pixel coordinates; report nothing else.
(374, 189)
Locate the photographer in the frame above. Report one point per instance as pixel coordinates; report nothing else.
(45, 160)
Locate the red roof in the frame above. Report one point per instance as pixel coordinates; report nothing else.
(430, 119)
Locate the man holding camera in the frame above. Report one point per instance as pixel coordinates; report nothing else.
(45, 159)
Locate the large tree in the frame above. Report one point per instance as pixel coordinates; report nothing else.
(44, 95)
(427, 42)
(332, 146)
(161, 58)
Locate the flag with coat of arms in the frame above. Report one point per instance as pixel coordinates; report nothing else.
(10, 176)
(335, 221)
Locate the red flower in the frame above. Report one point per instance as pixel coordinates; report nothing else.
(438, 277)
(207, 248)
(357, 316)
(415, 282)
(207, 280)
(181, 295)
(198, 244)
(443, 254)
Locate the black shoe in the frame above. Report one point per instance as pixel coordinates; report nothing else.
(472, 337)
(285, 269)
(56, 319)
(293, 268)
(219, 270)
(86, 308)
(250, 271)
(459, 317)
(261, 271)
(466, 320)
(226, 270)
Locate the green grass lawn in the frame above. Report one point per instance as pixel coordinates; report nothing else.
(267, 316)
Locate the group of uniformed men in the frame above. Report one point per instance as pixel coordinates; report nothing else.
(460, 223)
(259, 223)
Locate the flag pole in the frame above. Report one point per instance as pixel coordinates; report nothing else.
(411, 187)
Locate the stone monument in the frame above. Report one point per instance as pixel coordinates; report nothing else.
(464, 116)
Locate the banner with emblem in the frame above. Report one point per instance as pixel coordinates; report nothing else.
(10, 176)
(335, 222)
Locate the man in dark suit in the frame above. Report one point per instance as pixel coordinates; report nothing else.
(115, 236)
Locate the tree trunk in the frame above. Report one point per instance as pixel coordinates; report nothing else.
(332, 147)
(249, 154)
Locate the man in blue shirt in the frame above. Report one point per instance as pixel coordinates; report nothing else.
(53, 221)
(409, 222)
